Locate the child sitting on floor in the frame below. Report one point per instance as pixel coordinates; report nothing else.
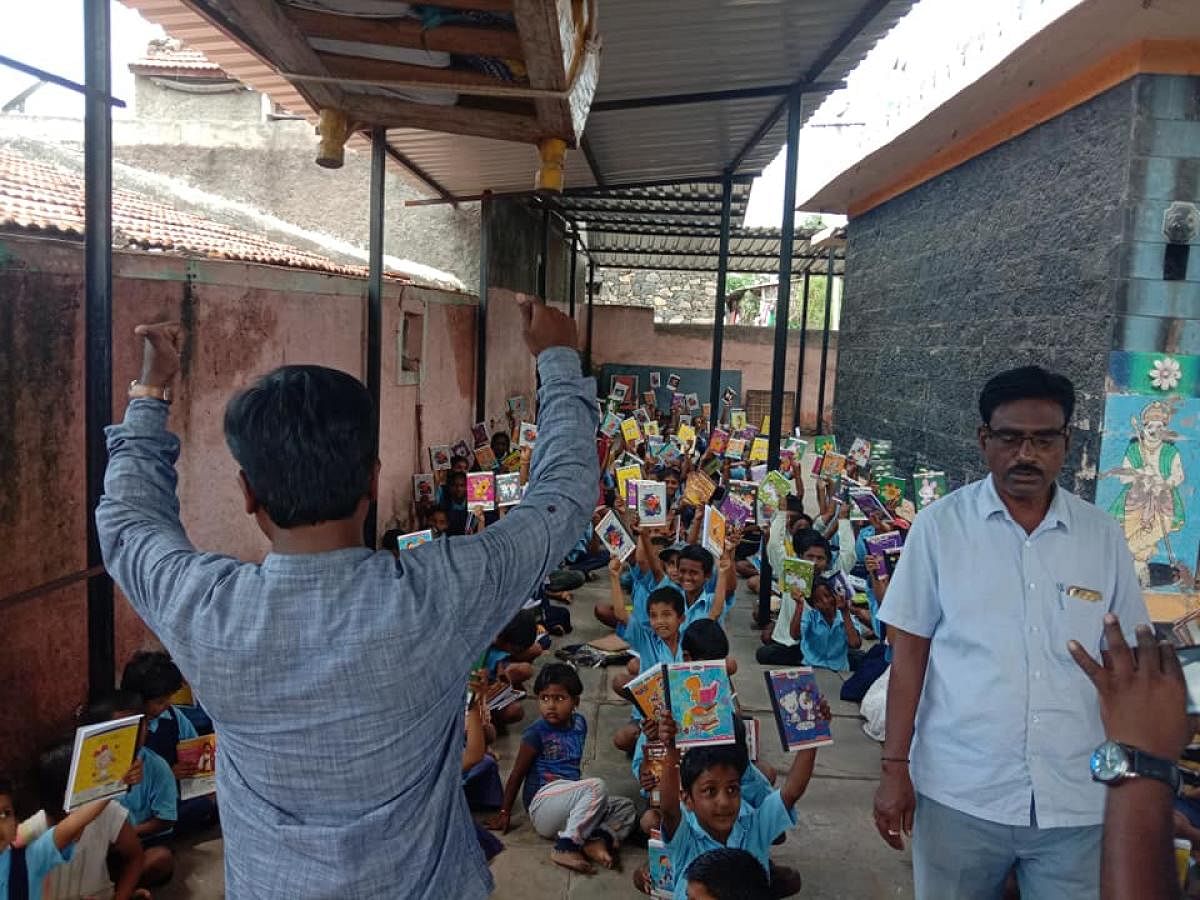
(480, 774)
(827, 630)
(587, 823)
(509, 660)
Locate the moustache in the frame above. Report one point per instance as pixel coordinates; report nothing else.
(1025, 470)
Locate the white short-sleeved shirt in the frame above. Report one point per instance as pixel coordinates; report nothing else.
(86, 875)
(1006, 717)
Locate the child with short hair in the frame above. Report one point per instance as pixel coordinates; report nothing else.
(782, 641)
(727, 874)
(587, 823)
(827, 629)
(509, 660)
(153, 676)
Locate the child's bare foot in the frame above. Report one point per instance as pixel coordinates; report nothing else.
(573, 860)
(641, 879)
(597, 851)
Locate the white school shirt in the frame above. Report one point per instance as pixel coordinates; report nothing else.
(1006, 717)
(86, 875)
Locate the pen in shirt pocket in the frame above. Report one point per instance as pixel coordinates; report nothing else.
(1061, 590)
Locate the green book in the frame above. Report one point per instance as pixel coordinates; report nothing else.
(823, 443)
(928, 487)
(890, 489)
(797, 573)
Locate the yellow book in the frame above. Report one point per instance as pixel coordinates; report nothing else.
(104, 752)
(759, 450)
(631, 431)
(766, 429)
(651, 429)
(686, 434)
(713, 536)
(626, 474)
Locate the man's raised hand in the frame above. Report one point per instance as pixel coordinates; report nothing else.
(162, 344)
(547, 327)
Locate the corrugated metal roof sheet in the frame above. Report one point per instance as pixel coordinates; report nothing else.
(650, 48)
(750, 250)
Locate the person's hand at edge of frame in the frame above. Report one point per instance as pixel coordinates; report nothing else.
(1143, 695)
(162, 344)
(546, 327)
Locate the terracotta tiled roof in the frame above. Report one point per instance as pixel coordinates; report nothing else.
(168, 56)
(39, 197)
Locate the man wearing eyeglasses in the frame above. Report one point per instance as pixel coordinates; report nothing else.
(990, 724)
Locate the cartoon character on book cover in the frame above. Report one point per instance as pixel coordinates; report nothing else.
(508, 489)
(797, 702)
(930, 486)
(656, 379)
(414, 539)
(700, 714)
(423, 488)
(439, 458)
(662, 876)
(481, 490)
(701, 703)
(529, 433)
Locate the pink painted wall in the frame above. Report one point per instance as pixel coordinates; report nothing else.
(510, 368)
(243, 320)
(629, 335)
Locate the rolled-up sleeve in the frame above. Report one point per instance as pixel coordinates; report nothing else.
(911, 602)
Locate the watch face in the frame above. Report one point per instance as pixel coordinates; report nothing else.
(1109, 762)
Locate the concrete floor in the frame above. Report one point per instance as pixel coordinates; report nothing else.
(835, 846)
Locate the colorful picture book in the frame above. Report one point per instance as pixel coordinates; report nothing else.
(760, 449)
(772, 493)
(866, 500)
(414, 539)
(518, 407)
(673, 382)
(528, 435)
(652, 503)
(729, 395)
(737, 512)
(718, 441)
(481, 490)
(699, 489)
(833, 465)
(753, 733)
(878, 544)
(656, 379)
(891, 489)
(797, 574)
(654, 760)
(928, 487)
(508, 489)
(484, 457)
(642, 417)
(891, 556)
(735, 448)
(737, 420)
(712, 534)
(610, 424)
(860, 452)
(626, 474)
(202, 753)
(614, 537)
(479, 434)
(824, 443)
(439, 457)
(631, 430)
(424, 489)
(745, 491)
(693, 402)
(103, 754)
(650, 429)
(670, 454)
(686, 434)
(461, 449)
(512, 462)
(676, 402)
(662, 876)
(796, 700)
(649, 691)
(701, 701)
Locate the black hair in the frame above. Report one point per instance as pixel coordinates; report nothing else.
(672, 470)
(440, 508)
(458, 458)
(666, 596)
(826, 583)
(730, 874)
(106, 708)
(705, 639)
(559, 674)
(152, 674)
(807, 538)
(521, 631)
(53, 772)
(455, 475)
(667, 554)
(498, 436)
(699, 760)
(6, 786)
(794, 504)
(391, 540)
(1026, 383)
(696, 553)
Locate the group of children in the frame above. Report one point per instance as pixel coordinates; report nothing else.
(119, 847)
(710, 813)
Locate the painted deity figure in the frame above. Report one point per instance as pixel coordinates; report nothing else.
(1149, 505)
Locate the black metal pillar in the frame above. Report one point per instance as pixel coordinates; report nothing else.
(485, 253)
(544, 255)
(794, 111)
(714, 392)
(574, 275)
(98, 392)
(375, 301)
(591, 301)
(825, 344)
(798, 406)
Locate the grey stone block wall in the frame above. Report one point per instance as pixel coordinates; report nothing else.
(1008, 259)
(677, 297)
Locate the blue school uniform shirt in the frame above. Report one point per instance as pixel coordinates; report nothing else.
(643, 585)
(559, 753)
(40, 858)
(754, 831)
(824, 643)
(755, 787)
(699, 609)
(650, 648)
(187, 730)
(157, 796)
(860, 550)
(492, 660)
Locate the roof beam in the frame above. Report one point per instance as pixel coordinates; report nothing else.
(602, 211)
(590, 155)
(438, 188)
(733, 254)
(815, 71)
(748, 93)
(398, 113)
(406, 32)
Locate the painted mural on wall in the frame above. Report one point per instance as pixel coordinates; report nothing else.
(1149, 472)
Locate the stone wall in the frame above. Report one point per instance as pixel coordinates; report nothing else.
(158, 98)
(677, 297)
(1008, 259)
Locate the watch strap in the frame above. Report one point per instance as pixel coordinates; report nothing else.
(1144, 765)
(137, 389)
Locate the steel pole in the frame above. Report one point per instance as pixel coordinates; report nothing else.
(375, 303)
(574, 274)
(98, 390)
(485, 253)
(798, 405)
(825, 344)
(718, 347)
(591, 319)
(787, 237)
(544, 256)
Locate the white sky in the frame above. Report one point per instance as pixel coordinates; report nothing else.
(939, 48)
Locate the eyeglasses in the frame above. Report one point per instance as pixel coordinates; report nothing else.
(1039, 440)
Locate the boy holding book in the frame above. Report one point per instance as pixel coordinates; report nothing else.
(782, 641)
(510, 658)
(827, 630)
(587, 823)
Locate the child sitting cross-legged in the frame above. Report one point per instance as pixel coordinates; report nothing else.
(827, 630)
(509, 660)
(578, 812)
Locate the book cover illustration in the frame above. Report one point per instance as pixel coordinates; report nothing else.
(737, 420)
(528, 434)
(699, 489)
(736, 511)
(508, 489)
(866, 500)
(656, 379)
(891, 556)
(772, 493)
(414, 539)
(650, 429)
(631, 431)
(439, 457)
(760, 449)
(928, 487)
(745, 491)
(797, 574)
(424, 490)
(706, 411)
(833, 465)
(796, 701)
(620, 391)
(759, 472)
(461, 449)
(103, 754)
(654, 443)
(610, 424)
(878, 544)
(649, 692)
(626, 474)
(712, 535)
(614, 537)
(701, 701)
(512, 462)
(481, 490)
(518, 407)
(818, 461)
(652, 503)
(649, 399)
(662, 876)
(735, 448)
(643, 417)
(729, 396)
(673, 382)
(718, 441)
(860, 452)
(676, 402)
(485, 458)
(670, 454)
(891, 490)
(479, 434)
(686, 434)
(631, 493)
(825, 442)
(654, 760)
(693, 403)
(797, 446)
(202, 753)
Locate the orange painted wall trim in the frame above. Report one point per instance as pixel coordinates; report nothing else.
(1139, 58)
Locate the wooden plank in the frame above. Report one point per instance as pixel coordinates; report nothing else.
(503, 126)
(475, 40)
(542, 42)
(382, 71)
(500, 6)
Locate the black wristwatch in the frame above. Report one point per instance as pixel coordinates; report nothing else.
(1113, 762)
